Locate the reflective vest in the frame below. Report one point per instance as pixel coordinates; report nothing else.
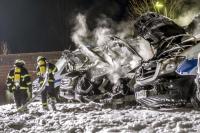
(18, 77)
(42, 70)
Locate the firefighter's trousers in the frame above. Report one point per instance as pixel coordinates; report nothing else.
(49, 91)
(20, 96)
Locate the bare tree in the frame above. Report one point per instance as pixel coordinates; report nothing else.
(4, 47)
(167, 8)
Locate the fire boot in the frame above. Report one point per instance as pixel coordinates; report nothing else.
(45, 106)
(53, 102)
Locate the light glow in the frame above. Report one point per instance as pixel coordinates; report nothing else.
(159, 5)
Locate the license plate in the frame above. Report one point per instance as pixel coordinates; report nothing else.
(141, 94)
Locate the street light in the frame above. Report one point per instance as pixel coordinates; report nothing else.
(161, 8)
(159, 5)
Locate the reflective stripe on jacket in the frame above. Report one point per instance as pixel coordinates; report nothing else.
(52, 70)
(24, 80)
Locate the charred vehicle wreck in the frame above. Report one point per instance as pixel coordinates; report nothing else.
(171, 77)
(106, 73)
(89, 79)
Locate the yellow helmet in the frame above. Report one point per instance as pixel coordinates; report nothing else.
(41, 58)
(19, 63)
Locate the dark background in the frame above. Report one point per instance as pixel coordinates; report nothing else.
(46, 25)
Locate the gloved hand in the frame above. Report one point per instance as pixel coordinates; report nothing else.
(17, 85)
(44, 75)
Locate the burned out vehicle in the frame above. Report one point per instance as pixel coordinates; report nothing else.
(171, 76)
(76, 85)
(92, 78)
(106, 73)
(73, 69)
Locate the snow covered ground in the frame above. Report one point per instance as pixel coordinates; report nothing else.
(92, 118)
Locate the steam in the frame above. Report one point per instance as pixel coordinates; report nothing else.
(102, 35)
(190, 16)
(115, 59)
(143, 48)
(196, 22)
(191, 21)
(187, 17)
(81, 30)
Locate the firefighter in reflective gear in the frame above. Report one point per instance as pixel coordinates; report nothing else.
(19, 83)
(49, 90)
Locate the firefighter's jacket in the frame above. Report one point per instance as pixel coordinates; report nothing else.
(18, 77)
(52, 70)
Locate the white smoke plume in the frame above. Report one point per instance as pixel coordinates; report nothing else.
(119, 60)
(102, 35)
(80, 30)
(143, 48)
(81, 34)
(194, 26)
(187, 17)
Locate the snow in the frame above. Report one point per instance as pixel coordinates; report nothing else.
(92, 117)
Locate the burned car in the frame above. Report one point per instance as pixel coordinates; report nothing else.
(117, 71)
(73, 69)
(170, 77)
(100, 77)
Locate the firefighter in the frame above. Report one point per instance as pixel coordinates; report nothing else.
(19, 83)
(49, 90)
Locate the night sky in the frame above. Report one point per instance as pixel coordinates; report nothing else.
(46, 25)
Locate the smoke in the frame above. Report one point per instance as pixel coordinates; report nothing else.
(114, 59)
(188, 10)
(187, 17)
(194, 27)
(80, 30)
(112, 41)
(103, 31)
